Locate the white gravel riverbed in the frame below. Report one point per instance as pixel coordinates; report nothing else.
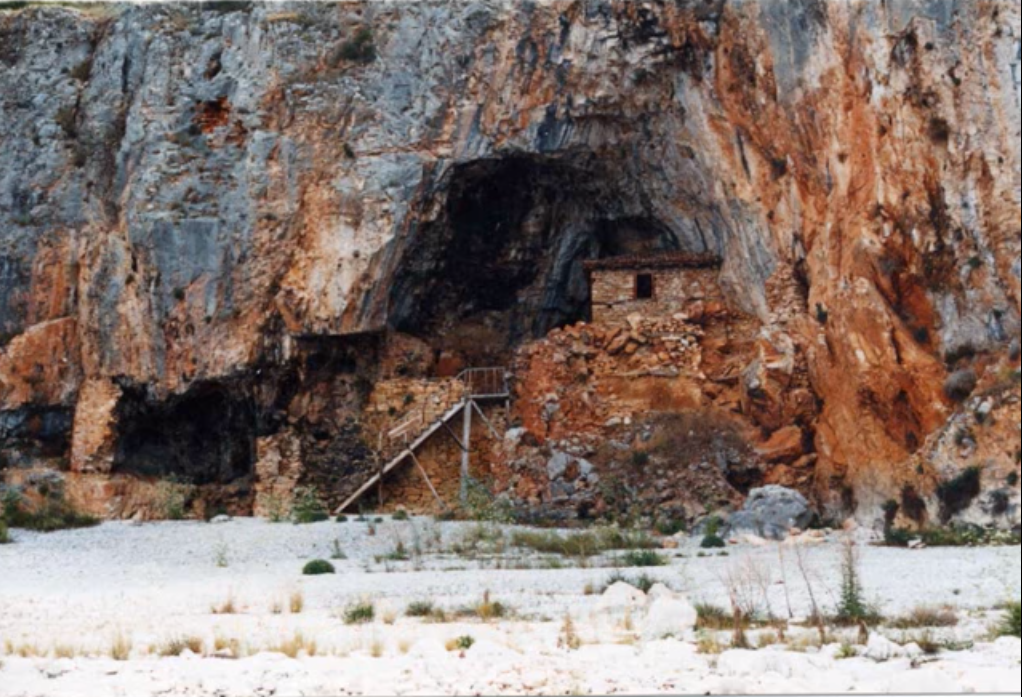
(67, 598)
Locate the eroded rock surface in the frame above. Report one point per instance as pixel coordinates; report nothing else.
(200, 207)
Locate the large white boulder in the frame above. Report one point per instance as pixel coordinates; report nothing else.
(881, 649)
(621, 598)
(669, 617)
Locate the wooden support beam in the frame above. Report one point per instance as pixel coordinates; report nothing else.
(454, 436)
(429, 483)
(485, 420)
(465, 450)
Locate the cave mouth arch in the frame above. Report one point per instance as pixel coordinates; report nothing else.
(498, 257)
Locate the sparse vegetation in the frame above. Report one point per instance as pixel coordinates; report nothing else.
(643, 583)
(295, 646)
(362, 612)
(926, 616)
(52, 515)
(176, 647)
(852, 606)
(489, 610)
(400, 517)
(5, 535)
(296, 603)
(171, 499)
(421, 609)
(462, 643)
(338, 553)
(712, 538)
(307, 507)
(227, 607)
(1012, 625)
(120, 648)
(713, 617)
(318, 567)
(585, 544)
(642, 558)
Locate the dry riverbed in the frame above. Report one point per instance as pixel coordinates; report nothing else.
(223, 609)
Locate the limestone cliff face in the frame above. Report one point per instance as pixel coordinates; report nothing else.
(190, 198)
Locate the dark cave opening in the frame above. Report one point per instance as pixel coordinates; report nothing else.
(205, 436)
(501, 259)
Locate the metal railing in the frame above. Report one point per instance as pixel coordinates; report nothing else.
(474, 383)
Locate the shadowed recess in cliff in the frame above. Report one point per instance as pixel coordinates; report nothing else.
(32, 434)
(502, 259)
(206, 436)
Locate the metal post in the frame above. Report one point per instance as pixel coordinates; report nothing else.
(466, 450)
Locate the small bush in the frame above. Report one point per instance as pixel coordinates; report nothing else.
(926, 617)
(176, 647)
(401, 517)
(52, 515)
(307, 507)
(489, 610)
(713, 617)
(1012, 625)
(359, 613)
(670, 528)
(421, 609)
(5, 536)
(643, 583)
(342, 519)
(642, 558)
(852, 606)
(462, 643)
(713, 542)
(318, 567)
(586, 544)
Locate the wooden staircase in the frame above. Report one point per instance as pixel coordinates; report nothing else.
(400, 444)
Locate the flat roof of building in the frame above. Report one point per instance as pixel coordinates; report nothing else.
(663, 260)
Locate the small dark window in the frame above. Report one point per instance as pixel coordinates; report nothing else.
(644, 286)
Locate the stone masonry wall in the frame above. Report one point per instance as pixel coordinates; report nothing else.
(675, 291)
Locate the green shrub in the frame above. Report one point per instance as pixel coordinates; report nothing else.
(307, 507)
(342, 518)
(359, 613)
(713, 542)
(713, 617)
(52, 515)
(401, 517)
(670, 528)
(852, 606)
(5, 536)
(421, 608)
(1012, 625)
(585, 544)
(642, 558)
(464, 643)
(318, 567)
(643, 583)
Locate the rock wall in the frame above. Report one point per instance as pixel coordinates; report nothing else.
(185, 192)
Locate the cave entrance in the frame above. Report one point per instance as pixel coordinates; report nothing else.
(206, 436)
(500, 260)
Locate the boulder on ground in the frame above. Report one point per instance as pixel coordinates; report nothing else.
(621, 598)
(771, 512)
(669, 617)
